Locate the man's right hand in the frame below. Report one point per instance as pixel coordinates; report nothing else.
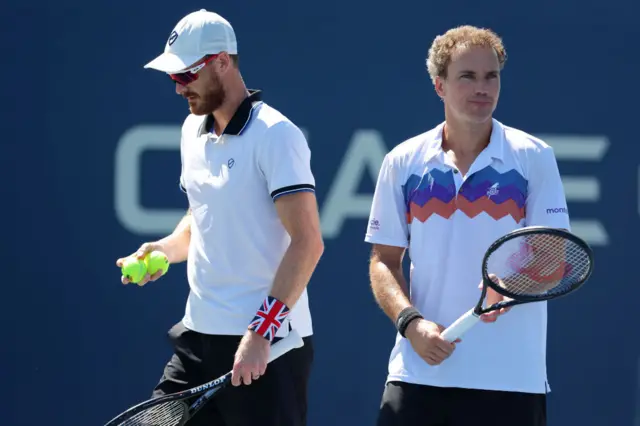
(426, 340)
(140, 254)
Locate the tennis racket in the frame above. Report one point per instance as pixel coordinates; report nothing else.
(527, 265)
(172, 410)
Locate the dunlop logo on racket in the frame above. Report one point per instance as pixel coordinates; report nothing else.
(206, 386)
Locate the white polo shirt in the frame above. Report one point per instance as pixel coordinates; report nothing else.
(237, 238)
(447, 221)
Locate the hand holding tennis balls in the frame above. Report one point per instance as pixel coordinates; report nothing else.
(147, 264)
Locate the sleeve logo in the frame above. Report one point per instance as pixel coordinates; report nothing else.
(558, 210)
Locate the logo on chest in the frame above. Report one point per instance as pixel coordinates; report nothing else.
(220, 177)
(486, 191)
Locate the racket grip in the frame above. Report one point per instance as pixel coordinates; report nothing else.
(281, 347)
(462, 324)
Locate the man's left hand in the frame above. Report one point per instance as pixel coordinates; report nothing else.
(251, 359)
(493, 297)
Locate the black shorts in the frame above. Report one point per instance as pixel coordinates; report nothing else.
(410, 404)
(279, 398)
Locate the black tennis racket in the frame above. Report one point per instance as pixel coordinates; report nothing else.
(527, 265)
(172, 410)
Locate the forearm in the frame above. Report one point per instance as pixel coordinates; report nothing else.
(296, 268)
(389, 288)
(176, 245)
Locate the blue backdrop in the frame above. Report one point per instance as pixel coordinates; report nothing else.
(91, 165)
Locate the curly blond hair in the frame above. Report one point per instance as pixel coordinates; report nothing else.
(444, 46)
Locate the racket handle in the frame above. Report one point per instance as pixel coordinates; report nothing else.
(462, 324)
(281, 347)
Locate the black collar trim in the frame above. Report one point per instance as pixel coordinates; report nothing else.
(240, 119)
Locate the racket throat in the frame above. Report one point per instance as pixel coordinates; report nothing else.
(462, 324)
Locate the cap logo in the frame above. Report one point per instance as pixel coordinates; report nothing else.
(172, 38)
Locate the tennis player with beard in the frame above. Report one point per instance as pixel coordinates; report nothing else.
(251, 237)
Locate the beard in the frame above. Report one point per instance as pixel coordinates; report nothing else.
(208, 101)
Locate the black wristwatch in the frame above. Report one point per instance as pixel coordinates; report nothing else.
(405, 317)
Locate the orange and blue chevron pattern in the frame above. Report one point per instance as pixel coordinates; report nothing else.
(487, 190)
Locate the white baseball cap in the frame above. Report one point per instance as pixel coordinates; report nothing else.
(196, 35)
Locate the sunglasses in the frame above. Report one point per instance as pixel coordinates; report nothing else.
(191, 74)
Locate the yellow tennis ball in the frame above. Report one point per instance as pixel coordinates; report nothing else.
(156, 261)
(134, 269)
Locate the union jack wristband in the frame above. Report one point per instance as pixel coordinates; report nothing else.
(269, 318)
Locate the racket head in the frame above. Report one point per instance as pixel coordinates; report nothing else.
(154, 413)
(537, 263)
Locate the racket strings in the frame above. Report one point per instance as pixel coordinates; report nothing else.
(167, 414)
(539, 264)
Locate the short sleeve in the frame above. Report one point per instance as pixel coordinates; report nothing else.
(285, 161)
(546, 203)
(388, 218)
